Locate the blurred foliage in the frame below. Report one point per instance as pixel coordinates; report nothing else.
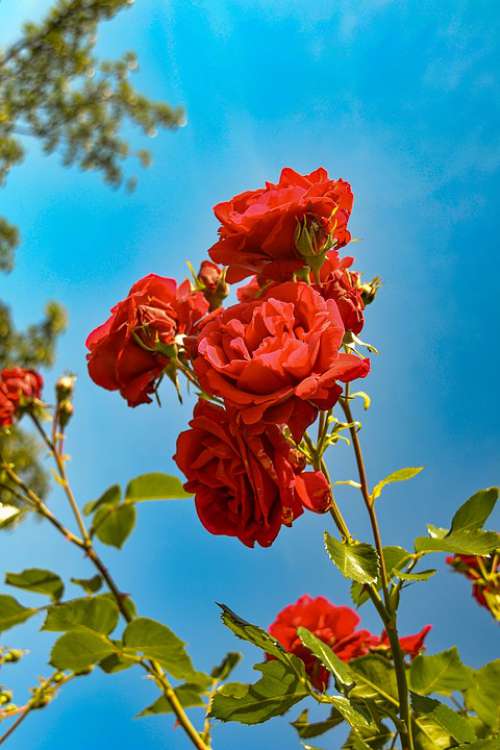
(54, 87)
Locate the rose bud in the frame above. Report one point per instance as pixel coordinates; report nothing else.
(212, 282)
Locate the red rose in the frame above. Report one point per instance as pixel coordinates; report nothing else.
(276, 359)
(335, 626)
(18, 387)
(484, 572)
(131, 350)
(411, 645)
(258, 229)
(343, 286)
(245, 481)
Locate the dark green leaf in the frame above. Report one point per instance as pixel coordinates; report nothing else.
(116, 663)
(253, 634)
(272, 695)
(189, 696)
(80, 648)
(307, 730)
(12, 613)
(475, 511)
(155, 486)
(401, 475)
(490, 743)
(440, 673)
(112, 525)
(375, 678)
(344, 678)
(222, 671)
(37, 580)
(96, 613)
(89, 585)
(111, 496)
(156, 641)
(474, 542)
(357, 561)
(457, 726)
(483, 695)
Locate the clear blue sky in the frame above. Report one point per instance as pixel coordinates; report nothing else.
(400, 98)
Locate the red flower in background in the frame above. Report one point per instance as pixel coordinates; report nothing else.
(257, 233)
(276, 360)
(247, 482)
(129, 352)
(18, 388)
(411, 645)
(484, 572)
(335, 626)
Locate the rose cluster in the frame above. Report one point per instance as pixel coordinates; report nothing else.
(337, 627)
(265, 367)
(19, 389)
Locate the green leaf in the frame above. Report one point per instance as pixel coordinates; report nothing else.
(490, 743)
(482, 695)
(96, 613)
(475, 511)
(440, 673)
(344, 678)
(116, 663)
(272, 695)
(357, 561)
(354, 718)
(111, 496)
(112, 525)
(80, 648)
(222, 671)
(307, 730)
(37, 580)
(401, 475)
(155, 486)
(394, 557)
(455, 725)
(375, 678)
(156, 641)
(253, 634)
(12, 613)
(474, 542)
(189, 697)
(89, 585)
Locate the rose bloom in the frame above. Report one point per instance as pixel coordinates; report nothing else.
(337, 282)
(257, 233)
(277, 359)
(18, 386)
(335, 626)
(247, 482)
(485, 592)
(411, 645)
(125, 353)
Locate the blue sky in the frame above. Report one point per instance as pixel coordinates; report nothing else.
(402, 99)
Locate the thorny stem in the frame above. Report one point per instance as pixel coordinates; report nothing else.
(385, 610)
(151, 666)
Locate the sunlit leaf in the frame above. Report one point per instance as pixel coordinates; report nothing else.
(357, 561)
(401, 475)
(155, 486)
(155, 641)
(37, 580)
(12, 613)
(440, 673)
